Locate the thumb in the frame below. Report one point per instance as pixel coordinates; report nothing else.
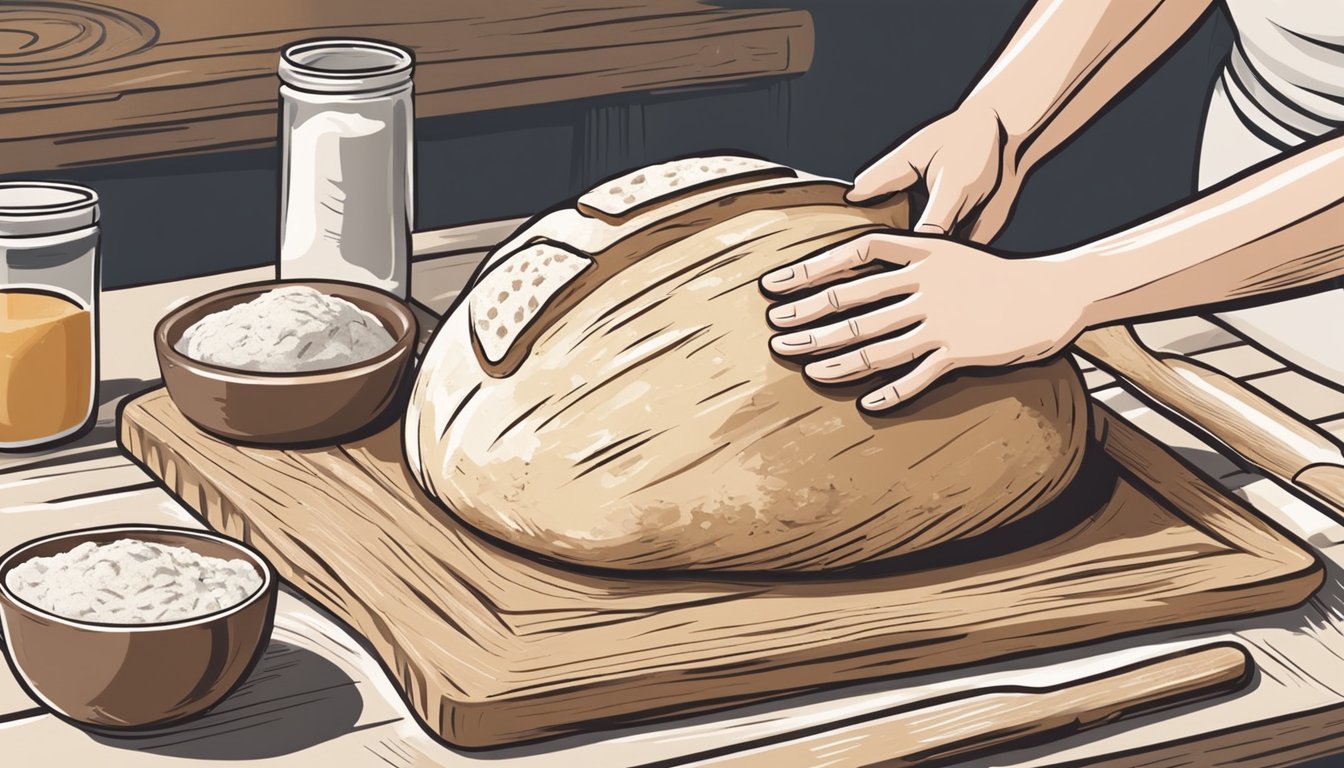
(892, 173)
(991, 219)
(941, 212)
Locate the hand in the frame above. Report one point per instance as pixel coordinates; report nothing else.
(967, 165)
(953, 305)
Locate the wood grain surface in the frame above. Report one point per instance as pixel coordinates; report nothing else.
(942, 732)
(84, 82)
(490, 646)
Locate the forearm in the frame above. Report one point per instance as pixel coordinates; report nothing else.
(1068, 59)
(1275, 230)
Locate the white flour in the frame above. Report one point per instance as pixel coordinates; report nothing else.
(132, 582)
(286, 330)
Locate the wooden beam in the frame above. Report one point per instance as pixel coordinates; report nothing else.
(84, 83)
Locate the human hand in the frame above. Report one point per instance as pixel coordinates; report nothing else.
(953, 305)
(965, 160)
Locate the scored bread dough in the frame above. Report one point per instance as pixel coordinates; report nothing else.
(646, 186)
(508, 297)
(647, 426)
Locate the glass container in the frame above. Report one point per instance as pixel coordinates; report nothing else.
(48, 312)
(346, 195)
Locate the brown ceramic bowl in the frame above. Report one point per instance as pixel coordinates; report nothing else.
(127, 676)
(304, 408)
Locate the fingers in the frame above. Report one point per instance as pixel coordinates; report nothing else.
(892, 173)
(828, 338)
(820, 268)
(942, 211)
(837, 262)
(869, 359)
(937, 365)
(844, 296)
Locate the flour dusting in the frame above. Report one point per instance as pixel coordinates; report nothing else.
(287, 330)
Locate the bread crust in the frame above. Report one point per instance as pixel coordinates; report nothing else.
(642, 423)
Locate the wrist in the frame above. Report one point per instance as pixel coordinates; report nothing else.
(982, 108)
(1078, 278)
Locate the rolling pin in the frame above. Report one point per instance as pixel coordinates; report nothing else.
(966, 725)
(1259, 430)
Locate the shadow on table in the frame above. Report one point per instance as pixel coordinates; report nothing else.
(100, 439)
(293, 700)
(110, 395)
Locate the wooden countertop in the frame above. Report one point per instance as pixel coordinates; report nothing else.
(318, 698)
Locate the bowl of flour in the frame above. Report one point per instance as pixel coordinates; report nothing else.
(127, 627)
(288, 362)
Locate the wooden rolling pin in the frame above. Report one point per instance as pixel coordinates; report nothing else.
(966, 725)
(1259, 430)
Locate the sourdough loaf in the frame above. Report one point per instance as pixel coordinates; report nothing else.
(604, 394)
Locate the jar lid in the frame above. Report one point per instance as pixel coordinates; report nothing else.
(29, 208)
(345, 66)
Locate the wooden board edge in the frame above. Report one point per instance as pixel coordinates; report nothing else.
(1230, 520)
(509, 720)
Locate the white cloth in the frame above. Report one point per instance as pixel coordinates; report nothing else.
(1283, 86)
(1285, 76)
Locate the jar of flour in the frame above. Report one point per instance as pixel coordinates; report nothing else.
(346, 192)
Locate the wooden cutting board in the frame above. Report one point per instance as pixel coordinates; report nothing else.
(491, 646)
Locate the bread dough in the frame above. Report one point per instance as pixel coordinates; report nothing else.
(641, 421)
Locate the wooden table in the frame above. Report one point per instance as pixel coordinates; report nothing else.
(317, 698)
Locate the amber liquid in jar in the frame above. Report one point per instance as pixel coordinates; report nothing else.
(46, 364)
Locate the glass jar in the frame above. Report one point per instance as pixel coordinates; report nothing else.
(48, 312)
(347, 185)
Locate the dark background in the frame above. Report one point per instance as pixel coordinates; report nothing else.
(881, 69)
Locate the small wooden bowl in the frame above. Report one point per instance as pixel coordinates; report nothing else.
(128, 676)
(295, 409)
